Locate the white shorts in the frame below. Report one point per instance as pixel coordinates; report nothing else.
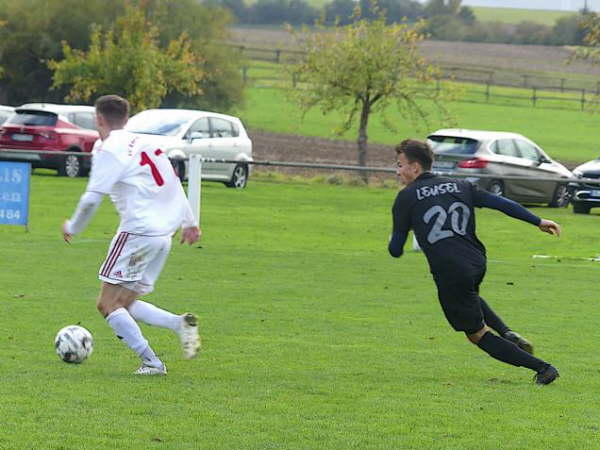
(134, 261)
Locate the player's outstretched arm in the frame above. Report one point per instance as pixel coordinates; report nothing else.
(190, 235)
(86, 208)
(550, 227)
(396, 244)
(505, 205)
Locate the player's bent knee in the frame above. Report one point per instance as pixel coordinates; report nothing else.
(103, 309)
(112, 298)
(474, 338)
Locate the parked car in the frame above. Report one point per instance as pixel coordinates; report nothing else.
(49, 127)
(212, 135)
(5, 113)
(586, 196)
(502, 154)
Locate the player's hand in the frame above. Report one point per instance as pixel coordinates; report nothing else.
(547, 226)
(66, 235)
(190, 235)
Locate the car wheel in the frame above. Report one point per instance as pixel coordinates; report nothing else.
(71, 166)
(561, 197)
(581, 208)
(496, 187)
(179, 167)
(239, 179)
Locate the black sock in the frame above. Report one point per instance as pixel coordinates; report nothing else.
(491, 319)
(507, 352)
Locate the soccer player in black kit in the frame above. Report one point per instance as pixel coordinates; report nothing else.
(440, 211)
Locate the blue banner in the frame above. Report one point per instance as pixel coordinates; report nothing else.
(14, 193)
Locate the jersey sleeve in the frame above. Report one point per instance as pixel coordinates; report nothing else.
(106, 171)
(401, 226)
(509, 207)
(188, 216)
(86, 208)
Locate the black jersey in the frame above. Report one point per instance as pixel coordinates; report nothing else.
(440, 211)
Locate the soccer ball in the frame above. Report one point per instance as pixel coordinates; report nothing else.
(74, 344)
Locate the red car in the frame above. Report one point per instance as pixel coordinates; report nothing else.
(48, 127)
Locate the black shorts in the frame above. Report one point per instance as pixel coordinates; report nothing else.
(460, 301)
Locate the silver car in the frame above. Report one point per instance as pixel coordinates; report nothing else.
(212, 135)
(473, 152)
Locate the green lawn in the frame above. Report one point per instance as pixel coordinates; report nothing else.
(565, 135)
(313, 336)
(515, 15)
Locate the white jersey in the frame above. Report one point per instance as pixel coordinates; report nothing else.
(141, 183)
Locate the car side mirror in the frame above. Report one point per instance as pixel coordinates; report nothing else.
(543, 160)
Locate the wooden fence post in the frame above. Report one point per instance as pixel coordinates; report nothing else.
(245, 74)
(582, 99)
(487, 91)
(534, 95)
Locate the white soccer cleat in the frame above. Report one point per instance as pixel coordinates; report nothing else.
(149, 370)
(188, 333)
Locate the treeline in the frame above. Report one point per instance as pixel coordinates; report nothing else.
(446, 19)
(32, 34)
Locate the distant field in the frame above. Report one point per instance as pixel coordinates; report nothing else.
(566, 135)
(514, 15)
(509, 61)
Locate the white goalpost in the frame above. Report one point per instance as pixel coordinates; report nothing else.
(195, 183)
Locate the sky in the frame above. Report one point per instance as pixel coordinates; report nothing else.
(559, 5)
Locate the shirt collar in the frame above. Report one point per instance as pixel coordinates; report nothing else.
(425, 175)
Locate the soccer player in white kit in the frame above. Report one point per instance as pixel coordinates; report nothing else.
(152, 206)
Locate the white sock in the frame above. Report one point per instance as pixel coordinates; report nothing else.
(128, 330)
(152, 315)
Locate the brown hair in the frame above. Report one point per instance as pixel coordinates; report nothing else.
(113, 108)
(416, 151)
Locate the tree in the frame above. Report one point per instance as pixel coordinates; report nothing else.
(29, 41)
(364, 68)
(442, 7)
(590, 25)
(127, 60)
(394, 10)
(467, 15)
(237, 7)
(531, 33)
(567, 30)
(206, 26)
(32, 36)
(279, 11)
(341, 11)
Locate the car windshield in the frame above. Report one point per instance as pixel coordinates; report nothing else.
(33, 118)
(165, 123)
(453, 144)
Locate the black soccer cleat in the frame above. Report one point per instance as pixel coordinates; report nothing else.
(546, 375)
(519, 341)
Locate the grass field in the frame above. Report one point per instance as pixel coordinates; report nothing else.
(514, 15)
(313, 336)
(565, 135)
